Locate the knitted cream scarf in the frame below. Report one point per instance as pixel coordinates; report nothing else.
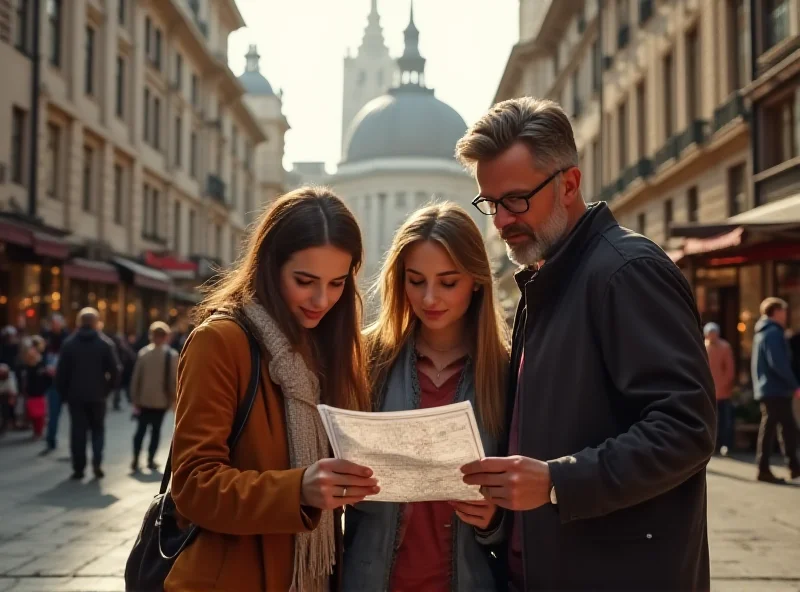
(314, 552)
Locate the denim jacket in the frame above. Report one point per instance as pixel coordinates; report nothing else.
(371, 531)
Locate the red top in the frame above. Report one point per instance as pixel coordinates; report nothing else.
(424, 559)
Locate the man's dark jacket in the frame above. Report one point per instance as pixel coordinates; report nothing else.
(616, 387)
(87, 368)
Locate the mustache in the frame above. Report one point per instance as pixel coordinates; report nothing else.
(513, 229)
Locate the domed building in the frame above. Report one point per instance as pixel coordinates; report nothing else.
(398, 150)
(267, 105)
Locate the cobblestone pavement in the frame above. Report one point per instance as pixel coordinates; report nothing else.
(57, 535)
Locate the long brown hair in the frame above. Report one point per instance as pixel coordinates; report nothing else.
(304, 218)
(450, 226)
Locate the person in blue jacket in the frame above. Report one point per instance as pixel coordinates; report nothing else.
(774, 385)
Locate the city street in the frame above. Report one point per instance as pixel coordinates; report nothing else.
(57, 535)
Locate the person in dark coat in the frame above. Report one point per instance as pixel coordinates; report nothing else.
(611, 400)
(54, 338)
(87, 371)
(774, 385)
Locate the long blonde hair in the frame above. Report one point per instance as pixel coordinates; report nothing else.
(451, 227)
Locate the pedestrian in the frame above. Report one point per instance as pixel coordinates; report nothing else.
(270, 505)
(439, 339)
(8, 397)
(35, 382)
(55, 338)
(723, 371)
(127, 360)
(87, 371)
(153, 391)
(611, 401)
(774, 384)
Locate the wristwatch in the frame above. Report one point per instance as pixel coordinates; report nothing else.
(553, 498)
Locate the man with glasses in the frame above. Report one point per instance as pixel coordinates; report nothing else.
(611, 409)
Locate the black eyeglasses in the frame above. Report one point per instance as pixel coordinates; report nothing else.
(516, 204)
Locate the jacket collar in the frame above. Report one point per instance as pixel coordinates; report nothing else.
(596, 220)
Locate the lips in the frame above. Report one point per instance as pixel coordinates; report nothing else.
(312, 315)
(433, 314)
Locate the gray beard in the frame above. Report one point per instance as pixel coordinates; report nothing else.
(545, 239)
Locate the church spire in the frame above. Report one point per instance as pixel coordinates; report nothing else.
(252, 58)
(373, 42)
(411, 63)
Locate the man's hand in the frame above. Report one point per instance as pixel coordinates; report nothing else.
(477, 514)
(516, 483)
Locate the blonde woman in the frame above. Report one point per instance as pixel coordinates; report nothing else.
(439, 339)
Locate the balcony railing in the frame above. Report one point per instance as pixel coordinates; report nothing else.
(639, 170)
(645, 11)
(623, 36)
(694, 134)
(728, 111)
(215, 188)
(667, 152)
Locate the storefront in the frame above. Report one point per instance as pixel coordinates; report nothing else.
(31, 282)
(95, 284)
(145, 297)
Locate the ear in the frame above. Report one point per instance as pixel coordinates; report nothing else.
(571, 182)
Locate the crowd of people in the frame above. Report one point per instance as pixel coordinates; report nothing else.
(87, 370)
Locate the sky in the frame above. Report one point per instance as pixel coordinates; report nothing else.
(303, 43)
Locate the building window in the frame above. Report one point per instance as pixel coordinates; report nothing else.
(738, 34)
(120, 87)
(234, 186)
(776, 22)
(641, 223)
(178, 140)
(193, 155)
(694, 86)
(192, 232)
(146, 211)
(692, 205)
(623, 24)
(21, 30)
(668, 217)
(53, 159)
(176, 228)
(669, 93)
(17, 145)
(641, 119)
(622, 130)
(737, 193)
(155, 199)
(782, 129)
(119, 193)
(88, 168)
(597, 185)
(148, 35)
(146, 117)
(54, 31)
(597, 67)
(156, 135)
(235, 141)
(157, 48)
(178, 71)
(89, 62)
(122, 12)
(218, 240)
(195, 92)
(577, 108)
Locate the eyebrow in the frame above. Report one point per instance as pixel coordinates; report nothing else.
(316, 277)
(442, 274)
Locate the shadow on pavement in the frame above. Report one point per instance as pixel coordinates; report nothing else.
(72, 495)
(151, 477)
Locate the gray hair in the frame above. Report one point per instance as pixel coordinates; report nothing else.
(540, 124)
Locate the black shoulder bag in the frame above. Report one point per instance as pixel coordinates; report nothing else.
(160, 539)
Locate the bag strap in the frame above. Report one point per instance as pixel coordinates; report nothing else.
(243, 411)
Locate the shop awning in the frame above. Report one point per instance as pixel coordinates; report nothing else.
(175, 267)
(25, 234)
(91, 271)
(143, 276)
(784, 211)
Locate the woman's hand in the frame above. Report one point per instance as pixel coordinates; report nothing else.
(478, 514)
(332, 483)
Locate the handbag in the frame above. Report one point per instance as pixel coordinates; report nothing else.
(160, 539)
